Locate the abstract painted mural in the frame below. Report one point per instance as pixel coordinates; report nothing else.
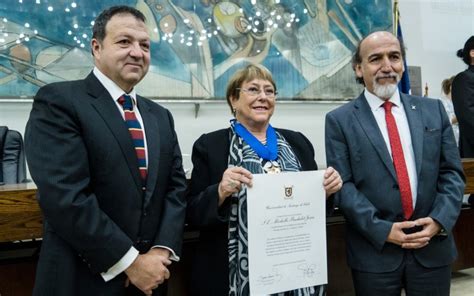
(196, 44)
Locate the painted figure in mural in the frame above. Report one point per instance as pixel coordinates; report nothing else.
(109, 172)
(223, 164)
(463, 101)
(403, 179)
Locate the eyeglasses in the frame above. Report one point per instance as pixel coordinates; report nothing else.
(254, 91)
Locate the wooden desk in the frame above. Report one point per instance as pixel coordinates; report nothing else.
(20, 219)
(20, 215)
(468, 166)
(464, 229)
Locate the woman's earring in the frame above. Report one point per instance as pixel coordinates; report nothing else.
(234, 111)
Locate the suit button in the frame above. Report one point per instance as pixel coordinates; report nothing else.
(400, 218)
(395, 186)
(145, 213)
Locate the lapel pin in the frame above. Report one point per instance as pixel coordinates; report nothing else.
(413, 107)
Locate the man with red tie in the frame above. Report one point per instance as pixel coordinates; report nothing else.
(109, 173)
(403, 179)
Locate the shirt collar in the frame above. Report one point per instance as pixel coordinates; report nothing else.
(375, 102)
(114, 90)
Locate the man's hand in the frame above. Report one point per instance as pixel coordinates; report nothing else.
(162, 252)
(149, 270)
(396, 235)
(415, 240)
(422, 238)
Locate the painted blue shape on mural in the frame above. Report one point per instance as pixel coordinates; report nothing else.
(360, 13)
(169, 64)
(287, 79)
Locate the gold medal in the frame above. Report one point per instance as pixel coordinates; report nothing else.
(272, 167)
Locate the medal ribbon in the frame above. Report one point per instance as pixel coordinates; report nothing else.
(267, 152)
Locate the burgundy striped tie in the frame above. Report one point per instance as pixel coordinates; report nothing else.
(136, 133)
(399, 161)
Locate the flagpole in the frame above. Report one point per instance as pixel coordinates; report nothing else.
(395, 17)
(404, 84)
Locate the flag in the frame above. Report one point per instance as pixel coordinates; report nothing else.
(404, 84)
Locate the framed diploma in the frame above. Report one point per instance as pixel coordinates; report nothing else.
(286, 232)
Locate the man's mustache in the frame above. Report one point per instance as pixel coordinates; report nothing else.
(387, 76)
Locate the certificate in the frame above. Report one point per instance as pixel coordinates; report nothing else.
(286, 215)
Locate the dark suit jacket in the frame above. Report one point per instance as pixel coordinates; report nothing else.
(210, 271)
(370, 199)
(82, 159)
(463, 101)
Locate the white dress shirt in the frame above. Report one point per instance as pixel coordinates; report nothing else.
(398, 111)
(116, 92)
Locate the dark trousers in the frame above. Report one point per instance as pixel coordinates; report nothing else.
(415, 279)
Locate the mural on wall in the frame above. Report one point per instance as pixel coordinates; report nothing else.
(196, 44)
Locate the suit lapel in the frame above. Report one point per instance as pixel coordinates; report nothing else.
(415, 121)
(107, 109)
(369, 125)
(152, 132)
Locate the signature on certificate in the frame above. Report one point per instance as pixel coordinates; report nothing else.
(308, 271)
(270, 278)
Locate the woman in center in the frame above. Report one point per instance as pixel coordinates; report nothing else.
(223, 164)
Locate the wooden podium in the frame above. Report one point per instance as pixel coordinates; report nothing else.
(20, 220)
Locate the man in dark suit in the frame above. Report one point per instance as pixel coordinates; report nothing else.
(403, 180)
(108, 169)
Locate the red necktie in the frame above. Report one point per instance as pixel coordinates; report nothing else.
(136, 132)
(399, 161)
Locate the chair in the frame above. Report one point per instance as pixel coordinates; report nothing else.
(12, 157)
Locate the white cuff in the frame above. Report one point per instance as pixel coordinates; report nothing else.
(121, 265)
